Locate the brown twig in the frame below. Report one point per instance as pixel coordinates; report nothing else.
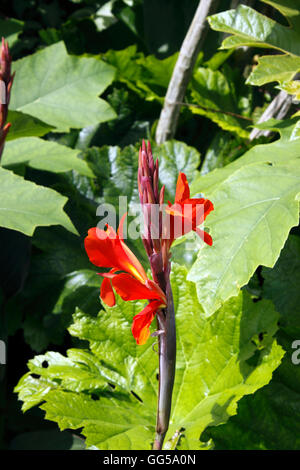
(229, 113)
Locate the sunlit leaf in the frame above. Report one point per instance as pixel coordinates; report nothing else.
(63, 90)
(255, 200)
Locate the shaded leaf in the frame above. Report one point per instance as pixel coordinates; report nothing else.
(23, 125)
(10, 29)
(25, 205)
(282, 286)
(214, 92)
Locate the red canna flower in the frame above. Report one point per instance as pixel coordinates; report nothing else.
(186, 213)
(106, 249)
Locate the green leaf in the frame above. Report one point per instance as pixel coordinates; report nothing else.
(23, 125)
(25, 205)
(64, 89)
(250, 196)
(214, 92)
(219, 359)
(44, 155)
(174, 157)
(10, 29)
(147, 76)
(223, 149)
(254, 29)
(126, 63)
(104, 16)
(117, 168)
(292, 88)
(110, 389)
(271, 68)
(270, 418)
(108, 423)
(281, 286)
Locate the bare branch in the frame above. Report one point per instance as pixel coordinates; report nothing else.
(278, 108)
(182, 71)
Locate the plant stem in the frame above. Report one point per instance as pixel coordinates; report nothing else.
(167, 360)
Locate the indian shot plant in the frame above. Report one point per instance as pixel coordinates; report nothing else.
(129, 280)
(153, 370)
(194, 342)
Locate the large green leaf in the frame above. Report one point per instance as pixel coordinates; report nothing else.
(43, 155)
(270, 419)
(110, 389)
(255, 200)
(219, 359)
(271, 68)
(63, 90)
(25, 205)
(254, 29)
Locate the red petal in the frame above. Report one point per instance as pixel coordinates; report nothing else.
(132, 264)
(105, 249)
(182, 188)
(130, 288)
(143, 320)
(99, 246)
(107, 293)
(205, 236)
(187, 215)
(121, 225)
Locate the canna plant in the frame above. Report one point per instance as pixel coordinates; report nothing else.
(205, 364)
(215, 336)
(108, 249)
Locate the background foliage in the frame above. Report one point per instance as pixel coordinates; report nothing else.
(91, 77)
